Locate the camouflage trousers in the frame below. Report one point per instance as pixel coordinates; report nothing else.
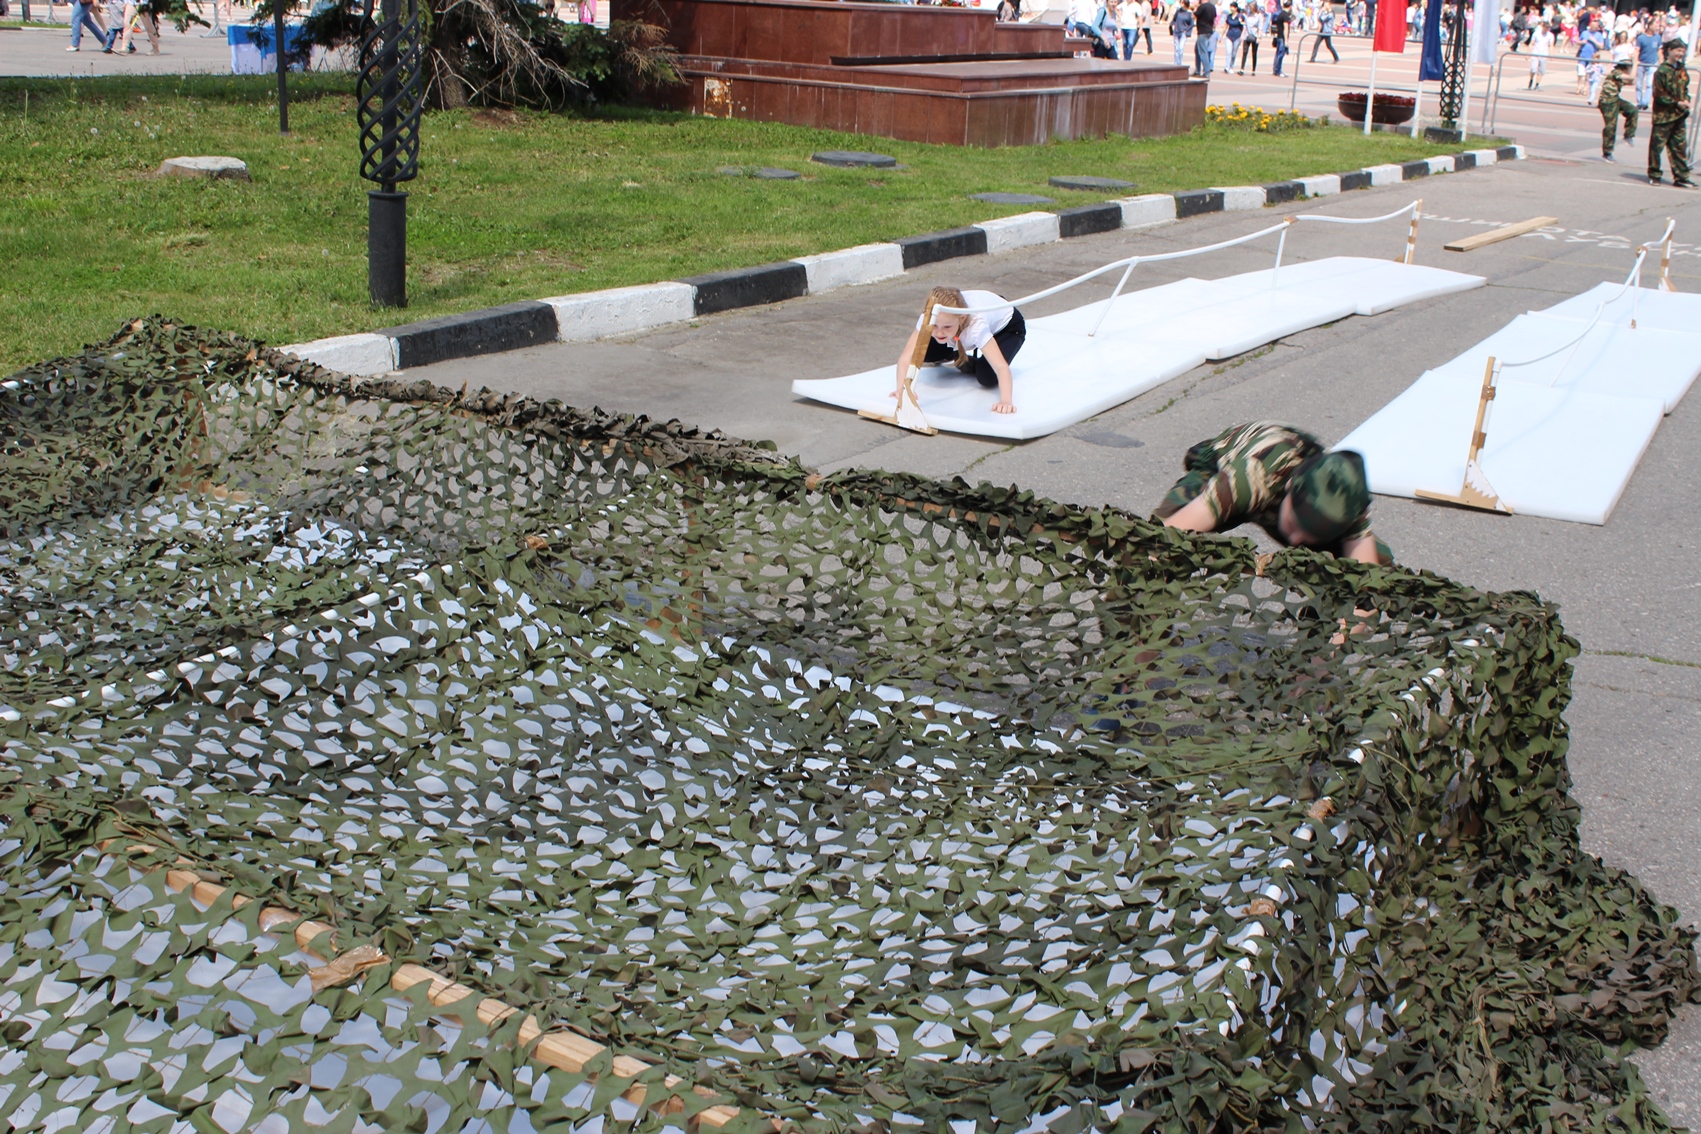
(1609, 123)
(1669, 135)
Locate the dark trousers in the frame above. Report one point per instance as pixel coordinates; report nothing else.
(1669, 137)
(1009, 341)
(1281, 54)
(1249, 50)
(1325, 41)
(1609, 123)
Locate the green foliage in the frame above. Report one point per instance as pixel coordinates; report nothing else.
(857, 799)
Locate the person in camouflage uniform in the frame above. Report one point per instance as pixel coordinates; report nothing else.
(1613, 104)
(1671, 116)
(1282, 480)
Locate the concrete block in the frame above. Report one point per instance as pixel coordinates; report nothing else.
(1412, 170)
(621, 310)
(486, 331)
(1485, 157)
(1386, 174)
(1510, 153)
(1467, 160)
(205, 168)
(1357, 179)
(1083, 220)
(1323, 185)
(1147, 209)
(749, 287)
(1196, 202)
(932, 247)
(1020, 231)
(1238, 198)
(1281, 192)
(863, 264)
(1442, 163)
(362, 354)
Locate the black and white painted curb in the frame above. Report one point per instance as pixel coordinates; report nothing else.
(626, 310)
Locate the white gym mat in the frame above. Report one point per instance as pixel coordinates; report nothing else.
(1063, 376)
(1610, 359)
(1564, 434)
(1658, 310)
(1557, 452)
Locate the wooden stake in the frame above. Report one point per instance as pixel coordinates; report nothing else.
(1665, 260)
(1475, 492)
(1411, 233)
(907, 413)
(1496, 235)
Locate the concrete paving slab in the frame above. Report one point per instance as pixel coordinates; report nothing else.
(1630, 590)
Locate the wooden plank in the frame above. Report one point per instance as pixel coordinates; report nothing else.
(1496, 235)
(567, 1050)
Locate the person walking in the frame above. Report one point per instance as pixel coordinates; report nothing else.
(1541, 46)
(1205, 45)
(1180, 29)
(1647, 61)
(1613, 105)
(1671, 116)
(1326, 36)
(83, 16)
(1280, 21)
(1234, 27)
(1255, 24)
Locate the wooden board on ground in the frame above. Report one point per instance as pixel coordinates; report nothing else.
(1496, 235)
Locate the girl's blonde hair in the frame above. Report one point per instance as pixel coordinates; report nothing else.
(938, 297)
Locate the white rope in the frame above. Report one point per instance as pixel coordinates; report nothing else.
(1356, 220)
(1131, 262)
(1634, 277)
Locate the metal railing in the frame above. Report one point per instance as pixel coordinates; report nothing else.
(1128, 264)
(1491, 103)
(1293, 90)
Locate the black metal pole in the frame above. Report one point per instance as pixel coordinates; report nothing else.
(283, 67)
(391, 99)
(387, 247)
(1453, 77)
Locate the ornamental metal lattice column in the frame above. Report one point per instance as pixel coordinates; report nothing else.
(391, 90)
(1453, 77)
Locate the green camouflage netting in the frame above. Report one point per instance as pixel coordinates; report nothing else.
(863, 800)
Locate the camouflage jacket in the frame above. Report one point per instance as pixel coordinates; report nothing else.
(1249, 467)
(1671, 86)
(1615, 82)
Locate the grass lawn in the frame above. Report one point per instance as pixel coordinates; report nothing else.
(507, 206)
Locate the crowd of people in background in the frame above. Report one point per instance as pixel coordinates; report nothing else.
(1205, 34)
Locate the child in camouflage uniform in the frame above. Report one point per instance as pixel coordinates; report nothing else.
(1282, 480)
(1614, 104)
(1671, 116)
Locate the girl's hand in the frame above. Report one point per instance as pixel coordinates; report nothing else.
(1004, 407)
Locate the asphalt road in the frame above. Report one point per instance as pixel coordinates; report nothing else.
(1630, 590)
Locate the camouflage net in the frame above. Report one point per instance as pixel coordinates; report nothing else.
(862, 801)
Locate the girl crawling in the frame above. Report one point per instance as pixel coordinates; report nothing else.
(982, 345)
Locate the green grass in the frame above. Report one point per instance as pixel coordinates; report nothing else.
(507, 206)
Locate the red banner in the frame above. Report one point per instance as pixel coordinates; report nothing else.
(1390, 26)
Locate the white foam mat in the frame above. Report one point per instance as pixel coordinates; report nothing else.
(1565, 454)
(1150, 336)
(1564, 434)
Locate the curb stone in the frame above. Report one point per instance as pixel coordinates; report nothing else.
(627, 310)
